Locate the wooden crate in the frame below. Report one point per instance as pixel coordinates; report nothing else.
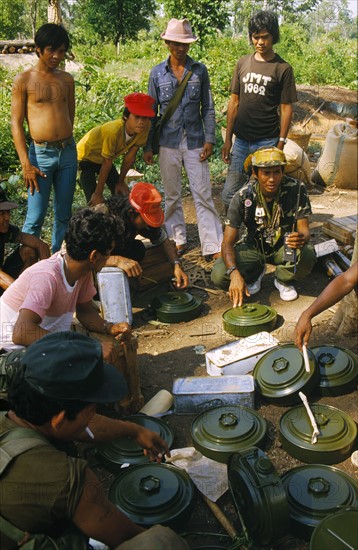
(343, 230)
(156, 266)
(126, 363)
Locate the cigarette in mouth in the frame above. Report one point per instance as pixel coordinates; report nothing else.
(89, 432)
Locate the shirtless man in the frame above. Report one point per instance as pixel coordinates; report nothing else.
(44, 97)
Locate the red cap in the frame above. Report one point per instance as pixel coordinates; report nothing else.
(140, 104)
(146, 199)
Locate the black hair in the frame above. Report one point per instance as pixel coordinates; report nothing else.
(36, 408)
(265, 20)
(126, 113)
(52, 35)
(120, 207)
(88, 230)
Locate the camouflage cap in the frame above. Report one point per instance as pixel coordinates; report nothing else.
(271, 156)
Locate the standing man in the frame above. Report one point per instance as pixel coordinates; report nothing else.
(44, 97)
(185, 139)
(275, 210)
(103, 144)
(260, 107)
(28, 251)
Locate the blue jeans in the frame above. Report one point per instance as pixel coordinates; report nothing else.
(235, 178)
(60, 167)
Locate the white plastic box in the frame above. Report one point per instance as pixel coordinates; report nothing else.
(114, 294)
(239, 357)
(196, 394)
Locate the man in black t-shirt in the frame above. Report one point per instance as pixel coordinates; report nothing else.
(262, 85)
(30, 249)
(275, 210)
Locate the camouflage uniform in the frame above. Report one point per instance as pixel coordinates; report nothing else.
(262, 245)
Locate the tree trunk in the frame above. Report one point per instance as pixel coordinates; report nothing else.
(346, 317)
(54, 12)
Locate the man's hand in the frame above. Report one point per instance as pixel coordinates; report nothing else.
(303, 330)
(30, 174)
(148, 157)
(97, 198)
(131, 267)
(225, 152)
(206, 152)
(295, 240)
(121, 188)
(181, 278)
(121, 331)
(237, 289)
(154, 446)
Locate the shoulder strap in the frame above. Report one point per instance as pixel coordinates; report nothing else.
(22, 538)
(175, 100)
(17, 441)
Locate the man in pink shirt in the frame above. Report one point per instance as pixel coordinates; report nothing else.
(45, 296)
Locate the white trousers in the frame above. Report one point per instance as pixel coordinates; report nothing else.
(171, 162)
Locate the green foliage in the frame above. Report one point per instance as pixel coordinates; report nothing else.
(206, 16)
(114, 20)
(11, 18)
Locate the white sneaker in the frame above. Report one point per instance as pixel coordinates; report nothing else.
(255, 287)
(287, 292)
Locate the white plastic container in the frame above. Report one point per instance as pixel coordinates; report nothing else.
(159, 404)
(239, 357)
(196, 394)
(114, 294)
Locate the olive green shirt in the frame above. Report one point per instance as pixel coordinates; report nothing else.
(40, 489)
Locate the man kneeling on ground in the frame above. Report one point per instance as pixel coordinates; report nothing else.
(28, 251)
(46, 491)
(275, 210)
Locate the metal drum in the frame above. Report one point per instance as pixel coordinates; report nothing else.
(280, 375)
(249, 319)
(154, 493)
(218, 433)
(259, 496)
(336, 439)
(314, 492)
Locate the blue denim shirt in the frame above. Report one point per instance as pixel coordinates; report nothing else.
(195, 113)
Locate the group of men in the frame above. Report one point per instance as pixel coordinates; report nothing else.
(58, 376)
(178, 117)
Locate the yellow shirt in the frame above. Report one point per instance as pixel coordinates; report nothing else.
(108, 141)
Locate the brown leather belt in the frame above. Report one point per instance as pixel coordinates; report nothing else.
(60, 144)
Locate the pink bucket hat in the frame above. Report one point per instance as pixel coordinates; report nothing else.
(179, 30)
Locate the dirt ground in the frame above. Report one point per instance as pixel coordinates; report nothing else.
(178, 350)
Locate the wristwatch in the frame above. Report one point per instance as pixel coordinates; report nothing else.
(283, 139)
(177, 262)
(230, 270)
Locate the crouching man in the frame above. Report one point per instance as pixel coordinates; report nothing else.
(275, 210)
(141, 214)
(48, 495)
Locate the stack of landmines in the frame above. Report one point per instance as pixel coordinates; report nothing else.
(335, 263)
